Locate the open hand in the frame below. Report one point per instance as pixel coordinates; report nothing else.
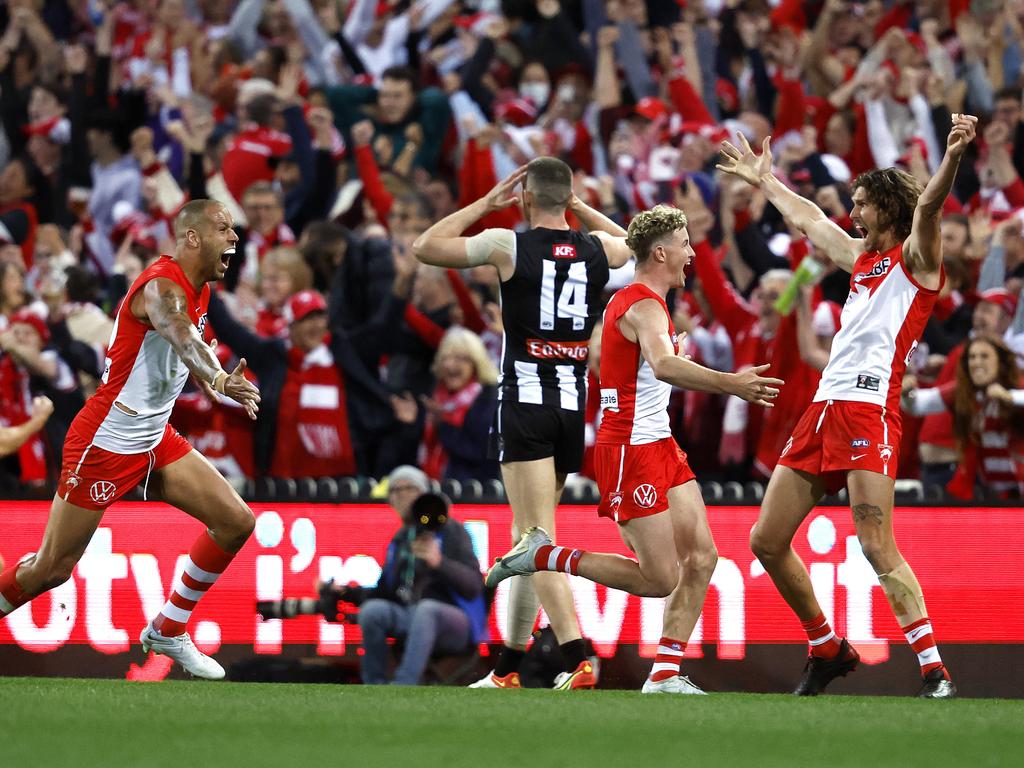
(743, 162)
(498, 198)
(243, 391)
(750, 385)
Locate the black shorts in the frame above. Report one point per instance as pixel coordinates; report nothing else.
(526, 432)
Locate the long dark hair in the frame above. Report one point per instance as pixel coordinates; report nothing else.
(894, 194)
(965, 399)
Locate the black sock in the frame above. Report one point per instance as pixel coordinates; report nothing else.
(574, 652)
(508, 661)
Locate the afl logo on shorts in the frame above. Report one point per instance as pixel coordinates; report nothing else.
(102, 491)
(645, 495)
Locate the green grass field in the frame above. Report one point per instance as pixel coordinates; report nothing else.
(52, 723)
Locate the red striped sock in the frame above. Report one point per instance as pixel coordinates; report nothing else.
(820, 637)
(206, 562)
(666, 663)
(919, 636)
(552, 558)
(12, 596)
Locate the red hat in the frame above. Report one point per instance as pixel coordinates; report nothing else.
(651, 107)
(1001, 298)
(29, 317)
(516, 111)
(56, 129)
(303, 304)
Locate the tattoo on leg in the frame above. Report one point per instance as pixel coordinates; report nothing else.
(867, 512)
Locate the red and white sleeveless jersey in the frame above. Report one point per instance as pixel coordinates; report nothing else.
(143, 375)
(633, 402)
(880, 326)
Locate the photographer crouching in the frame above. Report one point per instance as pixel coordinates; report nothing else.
(430, 594)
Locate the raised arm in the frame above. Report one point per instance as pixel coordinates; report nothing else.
(922, 251)
(443, 245)
(165, 306)
(645, 321)
(801, 213)
(611, 235)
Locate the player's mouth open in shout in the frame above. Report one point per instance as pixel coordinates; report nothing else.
(225, 257)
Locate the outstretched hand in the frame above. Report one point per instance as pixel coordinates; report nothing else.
(242, 391)
(499, 197)
(743, 162)
(750, 385)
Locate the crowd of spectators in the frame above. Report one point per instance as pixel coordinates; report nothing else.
(337, 130)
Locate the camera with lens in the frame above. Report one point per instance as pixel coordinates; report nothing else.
(428, 513)
(325, 605)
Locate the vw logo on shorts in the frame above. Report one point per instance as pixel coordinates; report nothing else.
(102, 491)
(645, 495)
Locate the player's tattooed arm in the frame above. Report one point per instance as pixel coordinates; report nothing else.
(167, 310)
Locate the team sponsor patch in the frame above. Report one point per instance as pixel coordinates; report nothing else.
(558, 350)
(615, 499)
(610, 399)
(860, 443)
(563, 251)
(884, 451)
(645, 495)
(867, 382)
(102, 491)
(878, 270)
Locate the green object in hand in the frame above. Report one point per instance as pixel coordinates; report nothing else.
(807, 273)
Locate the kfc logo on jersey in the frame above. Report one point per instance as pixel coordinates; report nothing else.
(884, 451)
(563, 251)
(102, 491)
(876, 271)
(645, 495)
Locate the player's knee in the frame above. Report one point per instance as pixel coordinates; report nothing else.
(764, 546)
(878, 551)
(50, 574)
(239, 524)
(701, 563)
(662, 583)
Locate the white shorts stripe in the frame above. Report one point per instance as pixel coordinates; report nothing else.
(174, 613)
(822, 417)
(5, 606)
(198, 573)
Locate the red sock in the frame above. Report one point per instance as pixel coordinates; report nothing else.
(552, 558)
(12, 596)
(919, 635)
(206, 561)
(666, 663)
(822, 639)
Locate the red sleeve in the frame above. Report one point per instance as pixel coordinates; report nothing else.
(471, 317)
(729, 308)
(688, 102)
(1015, 193)
(429, 331)
(373, 187)
(476, 178)
(789, 109)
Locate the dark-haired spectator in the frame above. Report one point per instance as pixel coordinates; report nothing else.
(115, 177)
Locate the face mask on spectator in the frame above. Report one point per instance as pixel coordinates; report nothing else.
(536, 92)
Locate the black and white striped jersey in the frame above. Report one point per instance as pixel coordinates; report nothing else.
(549, 307)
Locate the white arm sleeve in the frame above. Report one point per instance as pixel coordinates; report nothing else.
(480, 247)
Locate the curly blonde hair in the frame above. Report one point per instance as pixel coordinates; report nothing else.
(648, 227)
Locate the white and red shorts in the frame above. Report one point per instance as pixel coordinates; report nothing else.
(94, 478)
(634, 480)
(834, 437)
